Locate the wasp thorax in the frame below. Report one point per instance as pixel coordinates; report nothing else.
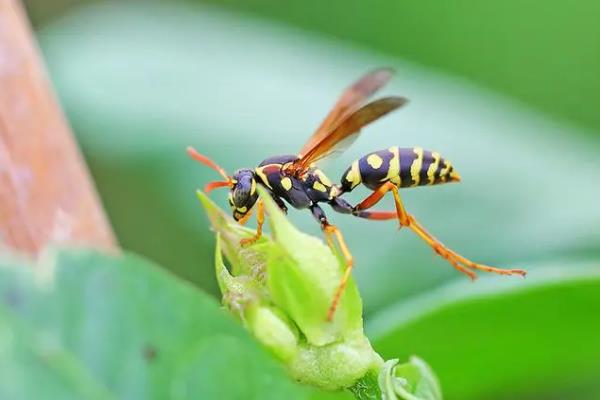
(243, 193)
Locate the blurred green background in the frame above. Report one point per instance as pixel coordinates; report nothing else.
(508, 91)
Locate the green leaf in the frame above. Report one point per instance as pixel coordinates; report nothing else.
(81, 324)
(481, 42)
(496, 336)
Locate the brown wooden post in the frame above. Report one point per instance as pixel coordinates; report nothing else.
(46, 194)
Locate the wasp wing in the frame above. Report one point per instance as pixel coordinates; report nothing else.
(348, 103)
(346, 132)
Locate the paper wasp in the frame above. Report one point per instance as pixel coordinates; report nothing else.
(295, 179)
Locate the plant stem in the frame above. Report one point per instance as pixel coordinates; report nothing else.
(46, 194)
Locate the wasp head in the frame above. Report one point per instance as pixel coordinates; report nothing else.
(243, 193)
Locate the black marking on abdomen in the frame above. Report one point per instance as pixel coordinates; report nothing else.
(407, 158)
(427, 161)
(440, 168)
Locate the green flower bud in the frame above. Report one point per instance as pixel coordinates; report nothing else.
(336, 365)
(243, 297)
(273, 330)
(281, 289)
(303, 276)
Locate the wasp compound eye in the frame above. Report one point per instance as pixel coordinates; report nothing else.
(241, 193)
(230, 199)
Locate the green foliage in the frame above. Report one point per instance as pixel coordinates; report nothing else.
(518, 48)
(80, 324)
(480, 336)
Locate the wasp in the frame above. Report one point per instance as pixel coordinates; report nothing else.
(296, 180)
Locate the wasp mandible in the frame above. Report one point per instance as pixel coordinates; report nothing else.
(297, 181)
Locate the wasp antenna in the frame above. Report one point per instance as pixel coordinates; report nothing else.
(207, 161)
(213, 185)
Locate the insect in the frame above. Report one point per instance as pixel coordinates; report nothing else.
(297, 181)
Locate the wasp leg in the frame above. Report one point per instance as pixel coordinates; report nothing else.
(377, 215)
(387, 215)
(331, 232)
(377, 195)
(459, 262)
(260, 218)
(342, 206)
(245, 218)
(454, 258)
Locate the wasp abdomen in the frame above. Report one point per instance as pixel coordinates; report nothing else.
(404, 167)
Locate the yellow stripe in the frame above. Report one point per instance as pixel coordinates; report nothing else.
(263, 177)
(354, 175)
(393, 174)
(415, 168)
(433, 167)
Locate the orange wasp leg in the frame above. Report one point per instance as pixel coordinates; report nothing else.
(454, 258)
(331, 232)
(376, 197)
(459, 262)
(260, 218)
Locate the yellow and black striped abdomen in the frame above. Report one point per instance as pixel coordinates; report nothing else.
(404, 167)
